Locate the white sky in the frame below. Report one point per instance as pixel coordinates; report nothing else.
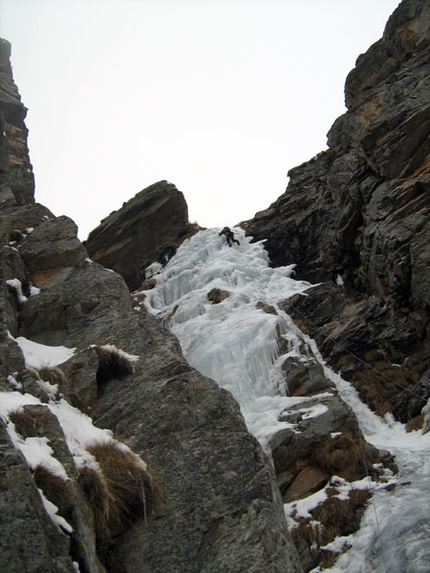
(220, 97)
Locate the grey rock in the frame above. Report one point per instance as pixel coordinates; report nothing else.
(356, 217)
(29, 540)
(16, 176)
(53, 244)
(214, 476)
(61, 312)
(147, 228)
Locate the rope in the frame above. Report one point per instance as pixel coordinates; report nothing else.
(381, 374)
(378, 528)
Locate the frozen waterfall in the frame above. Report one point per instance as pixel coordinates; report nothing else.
(241, 343)
(236, 343)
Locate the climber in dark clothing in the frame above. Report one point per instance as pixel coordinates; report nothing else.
(229, 235)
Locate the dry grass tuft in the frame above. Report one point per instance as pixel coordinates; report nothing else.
(54, 487)
(120, 493)
(307, 539)
(52, 375)
(112, 365)
(341, 517)
(333, 518)
(24, 421)
(414, 424)
(95, 490)
(329, 558)
(340, 456)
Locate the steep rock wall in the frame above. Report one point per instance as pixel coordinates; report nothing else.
(356, 219)
(213, 502)
(16, 174)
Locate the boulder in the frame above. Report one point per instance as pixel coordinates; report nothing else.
(148, 228)
(51, 245)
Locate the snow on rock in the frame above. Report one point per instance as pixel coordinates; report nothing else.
(34, 290)
(39, 356)
(51, 509)
(236, 342)
(240, 346)
(16, 285)
(426, 413)
(79, 431)
(114, 350)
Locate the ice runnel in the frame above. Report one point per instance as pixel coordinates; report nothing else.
(242, 343)
(237, 341)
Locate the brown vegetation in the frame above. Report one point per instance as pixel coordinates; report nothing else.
(52, 375)
(54, 487)
(121, 492)
(112, 365)
(341, 516)
(342, 456)
(24, 421)
(332, 518)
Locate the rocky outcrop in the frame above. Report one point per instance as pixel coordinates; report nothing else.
(218, 493)
(146, 229)
(16, 174)
(172, 480)
(321, 451)
(356, 218)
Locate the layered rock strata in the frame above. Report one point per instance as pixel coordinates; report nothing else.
(147, 228)
(16, 173)
(356, 218)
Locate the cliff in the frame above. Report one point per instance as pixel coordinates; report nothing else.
(16, 175)
(355, 219)
(170, 479)
(145, 464)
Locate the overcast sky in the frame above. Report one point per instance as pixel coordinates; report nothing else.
(220, 97)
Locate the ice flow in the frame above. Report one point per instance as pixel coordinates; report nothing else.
(238, 341)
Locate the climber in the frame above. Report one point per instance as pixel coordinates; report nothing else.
(229, 235)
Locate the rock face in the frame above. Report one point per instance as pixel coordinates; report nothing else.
(356, 218)
(16, 175)
(147, 228)
(207, 500)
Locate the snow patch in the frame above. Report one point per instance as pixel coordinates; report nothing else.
(40, 356)
(51, 510)
(114, 350)
(17, 286)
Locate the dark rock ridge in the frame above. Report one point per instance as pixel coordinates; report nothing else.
(215, 504)
(359, 214)
(16, 174)
(147, 228)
